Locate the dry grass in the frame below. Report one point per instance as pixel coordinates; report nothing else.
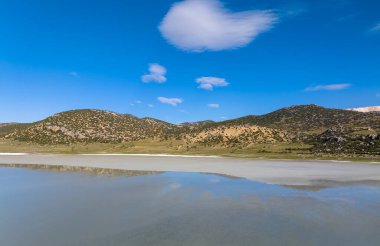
(268, 151)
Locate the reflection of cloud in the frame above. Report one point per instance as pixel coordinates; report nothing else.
(175, 186)
(214, 181)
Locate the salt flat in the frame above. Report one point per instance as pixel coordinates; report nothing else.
(284, 172)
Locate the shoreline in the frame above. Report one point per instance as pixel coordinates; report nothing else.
(189, 156)
(282, 172)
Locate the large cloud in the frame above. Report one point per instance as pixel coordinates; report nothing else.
(332, 87)
(208, 83)
(156, 74)
(199, 25)
(170, 101)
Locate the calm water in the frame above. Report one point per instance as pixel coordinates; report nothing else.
(39, 207)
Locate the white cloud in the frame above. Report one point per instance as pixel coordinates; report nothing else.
(331, 87)
(208, 83)
(74, 74)
(213, 105)
(150, 105)
(223, 117)
(170, 101)
(138, 102)
(376, 28)
(200, 25)
(156, 74)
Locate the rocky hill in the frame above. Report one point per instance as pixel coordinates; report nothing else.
(6, 128)
(242, 136)
(93, 126)
(306, 118)
(348, 141)
(198, 124)
(327, 130)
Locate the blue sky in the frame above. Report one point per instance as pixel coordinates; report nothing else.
(208, 59)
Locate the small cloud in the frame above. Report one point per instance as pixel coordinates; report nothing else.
(375, 28)
(183, 111)
(349, 17)
(200, 25)
(74, 74)
(156, 74)
(132, 104)
(294, 11)
(213, 105)
(150, 105)
(170, 101)
(223, 118)
(138, 102)
(208, 83)
(331, 87)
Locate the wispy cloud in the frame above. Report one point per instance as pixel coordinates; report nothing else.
(213, 105)
(330, 87)
(375, 28)
(223, 118)
(156, 74)
(294, 11)
(208, 83)
(200, 25)
(170, 101)
(150, 105)
(74, 74)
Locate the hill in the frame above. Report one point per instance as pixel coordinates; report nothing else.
(241, 136)
(93, 126)
(366, 109)
(306, 118)
(326, 130)
(6, 128)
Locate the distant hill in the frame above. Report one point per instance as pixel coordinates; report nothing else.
(6, 128)
(366, 109)
(197, 123)
(328, 130)
(306, 118)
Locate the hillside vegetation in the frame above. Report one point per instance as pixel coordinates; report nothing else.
(331, 131)
(89, 126)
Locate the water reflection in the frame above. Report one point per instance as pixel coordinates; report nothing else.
(65, 208)
(87, 170)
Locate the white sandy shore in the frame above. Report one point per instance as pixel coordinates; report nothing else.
(286, 172)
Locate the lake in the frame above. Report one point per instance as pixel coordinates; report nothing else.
(45, 207)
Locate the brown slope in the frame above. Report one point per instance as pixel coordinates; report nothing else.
(93, 126)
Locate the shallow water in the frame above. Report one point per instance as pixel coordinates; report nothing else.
(39, 207)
